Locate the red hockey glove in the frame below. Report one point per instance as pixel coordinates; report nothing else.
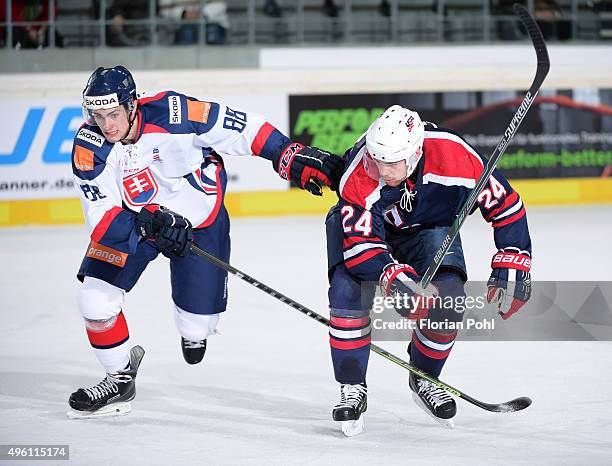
(309, 168)
(172, 232)
(509, 286)
(401, 282)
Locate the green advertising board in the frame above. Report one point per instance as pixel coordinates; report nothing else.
(567, 133)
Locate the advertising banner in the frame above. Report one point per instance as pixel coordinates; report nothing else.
(567, 133)
(36, 148)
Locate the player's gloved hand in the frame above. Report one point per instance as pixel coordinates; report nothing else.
(402, 283)
(172, 232)
(509, 286)
(309, 168)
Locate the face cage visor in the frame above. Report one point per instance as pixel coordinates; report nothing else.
(370, 166)
(105, 102)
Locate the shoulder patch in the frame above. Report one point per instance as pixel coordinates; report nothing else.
(198, 111)
(90, 136)
(89, 152)
(83, 159)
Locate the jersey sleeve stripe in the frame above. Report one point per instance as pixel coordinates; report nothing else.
(359, 248)
(350, 241)
(101, 228)
(363, 257)
(449, 180)
(260, 139)
(508, 201)
(508, 221)
(516, 207)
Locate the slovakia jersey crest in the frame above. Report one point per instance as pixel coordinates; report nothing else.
(140, 188)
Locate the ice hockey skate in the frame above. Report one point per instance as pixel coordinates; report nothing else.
(193, 351)
(353, 403)
(433, 400)
(110, 397)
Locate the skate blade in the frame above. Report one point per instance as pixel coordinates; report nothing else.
(352, 428)
(115, 409)
(446, 423)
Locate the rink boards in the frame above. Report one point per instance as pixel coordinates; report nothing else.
(35, 177)
(297, 202)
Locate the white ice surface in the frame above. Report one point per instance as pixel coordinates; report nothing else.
(264, 392)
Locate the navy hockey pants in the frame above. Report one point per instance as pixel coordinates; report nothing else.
(350, 302)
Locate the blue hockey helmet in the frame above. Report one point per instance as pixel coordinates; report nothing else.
(108, 88)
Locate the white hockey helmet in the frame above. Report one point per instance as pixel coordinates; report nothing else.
(396, 135)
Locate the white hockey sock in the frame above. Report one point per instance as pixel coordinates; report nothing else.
(195, 327)
(114, 359)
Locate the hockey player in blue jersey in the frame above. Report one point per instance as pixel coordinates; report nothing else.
(150, 181)
(403, 184)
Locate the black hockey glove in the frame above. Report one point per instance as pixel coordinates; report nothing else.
(309, 168)
(172, 232)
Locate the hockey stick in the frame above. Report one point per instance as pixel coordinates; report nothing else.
(509, 406)
(516, 404)
(542, 70)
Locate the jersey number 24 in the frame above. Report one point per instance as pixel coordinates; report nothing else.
(490, 197)
(363, 224)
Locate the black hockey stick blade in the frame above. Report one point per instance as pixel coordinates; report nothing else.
(543, 66)
(538, 43)
(511, 406)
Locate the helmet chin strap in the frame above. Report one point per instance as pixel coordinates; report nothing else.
(124, 139)
(408, 195)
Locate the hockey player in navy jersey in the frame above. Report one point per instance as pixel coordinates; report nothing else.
(403, 184)
(150, 181)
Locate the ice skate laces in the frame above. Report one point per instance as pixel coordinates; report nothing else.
(407, 198)
(432, 393)
(194, 344)
(351, 395)
(108, 386)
